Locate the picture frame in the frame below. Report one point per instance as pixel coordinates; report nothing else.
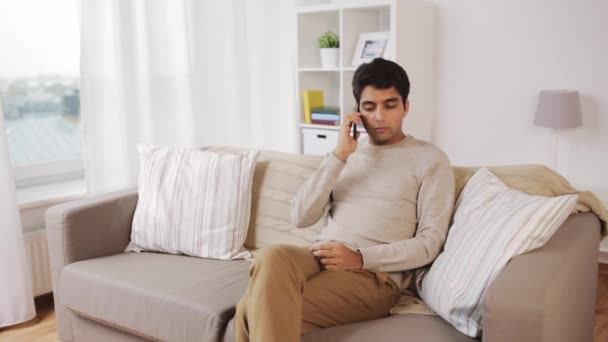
(371, 45)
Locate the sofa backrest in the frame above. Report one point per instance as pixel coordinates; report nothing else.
(277, 178)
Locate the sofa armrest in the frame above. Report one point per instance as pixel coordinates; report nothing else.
(548, 294)
(91, 227)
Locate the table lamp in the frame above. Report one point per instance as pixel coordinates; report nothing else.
(558, 109)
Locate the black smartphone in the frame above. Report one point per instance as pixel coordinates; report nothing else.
(354, 126)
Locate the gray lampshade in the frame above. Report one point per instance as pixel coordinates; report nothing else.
(558, 109)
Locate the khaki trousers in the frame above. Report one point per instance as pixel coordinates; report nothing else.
(289, 295)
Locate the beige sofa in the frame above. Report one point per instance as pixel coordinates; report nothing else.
(104, 294)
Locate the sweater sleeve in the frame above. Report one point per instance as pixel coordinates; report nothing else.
(434, 210)
(310, 202)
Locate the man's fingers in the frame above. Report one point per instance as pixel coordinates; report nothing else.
(323, 253)
(356, 118)
(329, 261)
(346, 126)
(350, 118)
(326, 245)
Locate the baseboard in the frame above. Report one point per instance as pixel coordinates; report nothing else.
(603, 259)
(602, 268)
(45, 300)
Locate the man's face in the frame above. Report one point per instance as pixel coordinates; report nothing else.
(382, 114)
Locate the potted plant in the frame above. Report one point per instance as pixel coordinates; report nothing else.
(329, 43)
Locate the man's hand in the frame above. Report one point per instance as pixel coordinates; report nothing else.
(346, 143)
(336, 256)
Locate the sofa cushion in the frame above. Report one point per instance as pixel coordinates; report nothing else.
(193, 202)
(277, 178)
(492, 224)
(157, 296)
(398, 328)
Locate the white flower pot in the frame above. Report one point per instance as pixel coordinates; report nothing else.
(329, 57)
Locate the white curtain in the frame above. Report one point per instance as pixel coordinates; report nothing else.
(183, 73)
(16, 296)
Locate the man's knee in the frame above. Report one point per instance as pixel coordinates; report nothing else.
(282, 258)
(276, 254)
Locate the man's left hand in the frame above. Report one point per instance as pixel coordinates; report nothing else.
(336, 256)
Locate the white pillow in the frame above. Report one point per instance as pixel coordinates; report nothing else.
(193, 202)
(492, 224)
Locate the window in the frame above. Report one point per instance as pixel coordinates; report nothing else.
(42, 120)
(39, 89)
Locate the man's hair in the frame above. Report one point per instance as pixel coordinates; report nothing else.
(381, 74)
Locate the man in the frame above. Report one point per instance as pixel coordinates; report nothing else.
(389, 200)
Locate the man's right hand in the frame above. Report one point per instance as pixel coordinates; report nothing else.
(346, 143)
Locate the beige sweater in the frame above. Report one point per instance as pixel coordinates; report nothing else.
(393, 203)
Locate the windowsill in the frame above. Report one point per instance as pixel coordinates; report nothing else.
(50, 193)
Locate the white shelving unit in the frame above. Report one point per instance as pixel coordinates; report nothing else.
(411, 27)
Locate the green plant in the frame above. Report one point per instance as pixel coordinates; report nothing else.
(329, 40)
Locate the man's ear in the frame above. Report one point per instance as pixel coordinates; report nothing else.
(407, 108)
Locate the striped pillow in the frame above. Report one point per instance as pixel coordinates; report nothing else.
(193, 202)
(492, 223)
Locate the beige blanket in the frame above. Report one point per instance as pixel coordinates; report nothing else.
(540, 181)
(532, 179)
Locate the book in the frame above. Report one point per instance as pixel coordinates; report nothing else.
(326, 110)
(310, 100)
(326, 117)
(325, 122)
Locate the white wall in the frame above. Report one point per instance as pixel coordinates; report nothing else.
(495, 56)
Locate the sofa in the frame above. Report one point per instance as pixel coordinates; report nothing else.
(103, 293)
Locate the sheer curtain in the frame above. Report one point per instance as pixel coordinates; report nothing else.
(183, 73)
(16, 297)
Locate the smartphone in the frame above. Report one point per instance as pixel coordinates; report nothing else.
(354, 126)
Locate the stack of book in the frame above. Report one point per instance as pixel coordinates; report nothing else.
(325, 116)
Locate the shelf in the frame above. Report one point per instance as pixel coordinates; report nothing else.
(330, 128)
(356, 21)
(327, 127)
(411, 26)
(311, 26)
(328, 82)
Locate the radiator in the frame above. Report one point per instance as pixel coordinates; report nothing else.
(37, 251)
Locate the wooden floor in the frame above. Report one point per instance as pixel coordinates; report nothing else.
(601, 307)
(42, 328)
